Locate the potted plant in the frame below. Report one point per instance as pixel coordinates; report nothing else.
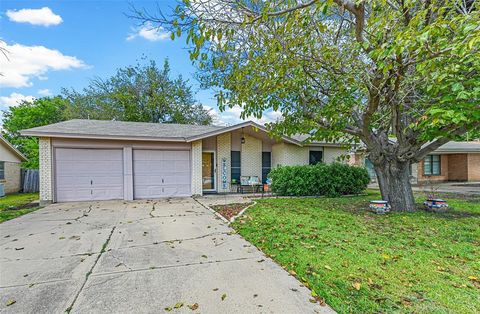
(433, 202)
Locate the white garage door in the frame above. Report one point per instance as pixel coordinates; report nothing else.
(161, 173)
(88, 174)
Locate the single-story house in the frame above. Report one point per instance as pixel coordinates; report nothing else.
(453, 161)
(102, 160)
(10, 165)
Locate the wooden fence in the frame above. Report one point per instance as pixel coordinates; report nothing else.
(30, 180)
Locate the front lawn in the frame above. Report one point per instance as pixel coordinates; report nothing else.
(14, 205)
(362, 262)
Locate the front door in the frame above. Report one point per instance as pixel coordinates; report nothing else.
(208, 171)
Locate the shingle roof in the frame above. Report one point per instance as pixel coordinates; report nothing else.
(120, 129)
(459, 147)
(107, 129)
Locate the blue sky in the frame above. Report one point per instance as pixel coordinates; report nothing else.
(55, 44)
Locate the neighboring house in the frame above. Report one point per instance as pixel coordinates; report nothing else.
(101, 160)
(454, 161)
(10, 164)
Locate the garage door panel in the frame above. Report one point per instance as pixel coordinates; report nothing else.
(88, 168)
(160, 173)
(88, 174)
(177, 179)
(88, 154)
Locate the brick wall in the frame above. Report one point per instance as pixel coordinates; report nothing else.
(224, 147)
(334, 154)
(12, 177)
(284, 154)
(197, 168)
(473, 167)
(251, 157)
(46, 179)
(457, 167)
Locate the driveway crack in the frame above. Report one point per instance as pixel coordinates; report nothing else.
(87, 275)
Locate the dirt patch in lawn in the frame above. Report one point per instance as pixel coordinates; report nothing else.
(23, 206)
(230, 210)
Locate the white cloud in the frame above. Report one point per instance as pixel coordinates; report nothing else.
(13, 100)
(44, 92)
(27, 62)
(149, 32)
(231, 116)
(43, 16)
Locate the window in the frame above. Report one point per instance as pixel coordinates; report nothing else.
(315, 157)
(236, 165)
(266, 165)
(370, 169)
(431, 165)
(2, 170)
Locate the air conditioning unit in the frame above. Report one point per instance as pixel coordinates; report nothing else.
(2, 190)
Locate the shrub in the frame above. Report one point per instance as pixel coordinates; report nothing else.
(321, 179)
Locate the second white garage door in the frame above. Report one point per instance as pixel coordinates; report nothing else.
(161, 173)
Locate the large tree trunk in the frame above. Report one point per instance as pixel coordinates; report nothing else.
(394, 181)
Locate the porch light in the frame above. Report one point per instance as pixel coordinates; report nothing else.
(243, 138)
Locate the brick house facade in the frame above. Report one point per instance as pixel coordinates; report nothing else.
(99, 160)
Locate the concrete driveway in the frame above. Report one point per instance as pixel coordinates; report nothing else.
(138, 257)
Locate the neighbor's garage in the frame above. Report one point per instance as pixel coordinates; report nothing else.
(161, 173)
(88, 174)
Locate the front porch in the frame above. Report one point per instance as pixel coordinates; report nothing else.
(239, 160)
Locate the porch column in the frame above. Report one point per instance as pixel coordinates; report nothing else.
(46, 177)
(197, 168)
(224, 147)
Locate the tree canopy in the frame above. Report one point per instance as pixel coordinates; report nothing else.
(26, 115)
(144, 93)
(402, 76)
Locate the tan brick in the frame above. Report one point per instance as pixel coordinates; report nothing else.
(251, 157)
(46, 179)
(12, 180)
(197, 168)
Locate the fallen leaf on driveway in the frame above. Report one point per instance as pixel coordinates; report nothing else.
(11, 302)
(19, 248)
(224, 296)
(178, 305)
(168, 309)
(193, 307)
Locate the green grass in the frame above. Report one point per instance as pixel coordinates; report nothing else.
(361, 262)
(14, 205)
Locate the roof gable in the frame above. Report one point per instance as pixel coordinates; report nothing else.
(12, 149)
